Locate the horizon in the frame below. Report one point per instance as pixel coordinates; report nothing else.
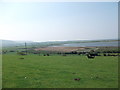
(63, 21)
(58, 40)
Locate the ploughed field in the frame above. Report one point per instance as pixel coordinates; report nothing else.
(62, 49)
(77, 49)
(57, 71)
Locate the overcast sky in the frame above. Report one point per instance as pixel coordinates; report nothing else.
(59, 21)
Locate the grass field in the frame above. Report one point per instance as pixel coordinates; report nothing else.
(59, 71)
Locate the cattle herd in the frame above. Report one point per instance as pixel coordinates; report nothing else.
(91, 54)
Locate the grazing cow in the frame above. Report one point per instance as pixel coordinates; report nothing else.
(90, 56)
(47, 54)
(104, 54)
(21, 53)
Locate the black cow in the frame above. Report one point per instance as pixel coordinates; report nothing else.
(90, 56)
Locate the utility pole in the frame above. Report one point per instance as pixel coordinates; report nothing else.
(26, 47)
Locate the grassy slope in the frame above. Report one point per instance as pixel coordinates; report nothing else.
(57, 72)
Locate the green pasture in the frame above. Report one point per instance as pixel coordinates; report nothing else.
(59, 71)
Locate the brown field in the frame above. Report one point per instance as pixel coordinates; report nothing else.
(64, 49)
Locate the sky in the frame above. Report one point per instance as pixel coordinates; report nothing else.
(57, 21)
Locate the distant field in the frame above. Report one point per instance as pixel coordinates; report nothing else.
(61, 49)
(59, 71)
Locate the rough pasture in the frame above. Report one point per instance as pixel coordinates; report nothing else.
(35, 70)
(59, 72)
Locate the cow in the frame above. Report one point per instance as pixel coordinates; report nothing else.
(90, 56)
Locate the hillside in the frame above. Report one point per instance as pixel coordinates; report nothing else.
(7, 43)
